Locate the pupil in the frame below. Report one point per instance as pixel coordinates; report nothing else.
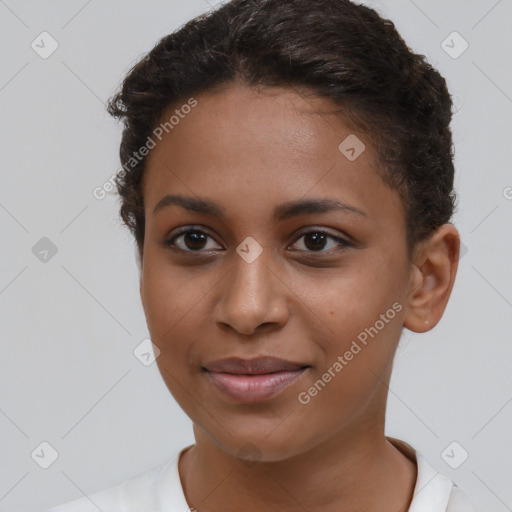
(318, 241)
(196, 240)
(195, 237)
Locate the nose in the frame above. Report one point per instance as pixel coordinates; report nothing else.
(253, 298)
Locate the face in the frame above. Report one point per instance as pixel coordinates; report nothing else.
(274, 272)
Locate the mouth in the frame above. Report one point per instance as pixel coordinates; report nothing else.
(253, 380)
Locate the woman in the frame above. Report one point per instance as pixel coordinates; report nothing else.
(288, 179)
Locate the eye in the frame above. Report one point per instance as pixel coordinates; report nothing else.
(317, 241)
(196, 240)
(190, 240)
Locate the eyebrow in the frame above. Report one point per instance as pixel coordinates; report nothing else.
(281, 212)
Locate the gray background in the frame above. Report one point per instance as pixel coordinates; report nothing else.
(70, 324)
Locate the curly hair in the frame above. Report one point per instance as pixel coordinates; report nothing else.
(334, 48)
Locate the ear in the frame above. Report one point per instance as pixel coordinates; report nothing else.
(434, 267)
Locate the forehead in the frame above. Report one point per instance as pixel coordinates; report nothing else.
(274, 144)
(238, 120)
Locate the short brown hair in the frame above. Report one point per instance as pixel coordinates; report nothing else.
(335, 48)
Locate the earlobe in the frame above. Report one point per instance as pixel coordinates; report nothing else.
(432, 278)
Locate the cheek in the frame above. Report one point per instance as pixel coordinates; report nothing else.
(168, 295)
(362, 316)
(171, 305)
(347, 304)
(175, 303)
(354, 365)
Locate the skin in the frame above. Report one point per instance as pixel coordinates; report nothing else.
(249, 150)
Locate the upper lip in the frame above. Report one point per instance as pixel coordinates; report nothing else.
(256, 366)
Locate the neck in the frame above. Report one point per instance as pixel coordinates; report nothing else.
(357, 470)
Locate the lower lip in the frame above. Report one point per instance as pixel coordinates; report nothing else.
(254, 388)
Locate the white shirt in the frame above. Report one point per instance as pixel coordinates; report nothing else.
(159, 490)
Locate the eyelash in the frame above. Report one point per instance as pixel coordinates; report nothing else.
(343, 244)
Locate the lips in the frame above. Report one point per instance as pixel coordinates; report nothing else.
(257, 366)
(253, 380)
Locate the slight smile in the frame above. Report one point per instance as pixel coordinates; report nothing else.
(253, 380)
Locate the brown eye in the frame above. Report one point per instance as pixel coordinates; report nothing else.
(194, 240)
(190, 240)
(315, 241)
(321, 242)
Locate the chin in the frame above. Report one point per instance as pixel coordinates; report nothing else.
(252, 446)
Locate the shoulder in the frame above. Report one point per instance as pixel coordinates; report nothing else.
(140, 492)
(437, 492)
(459, 502)
(433, 492)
